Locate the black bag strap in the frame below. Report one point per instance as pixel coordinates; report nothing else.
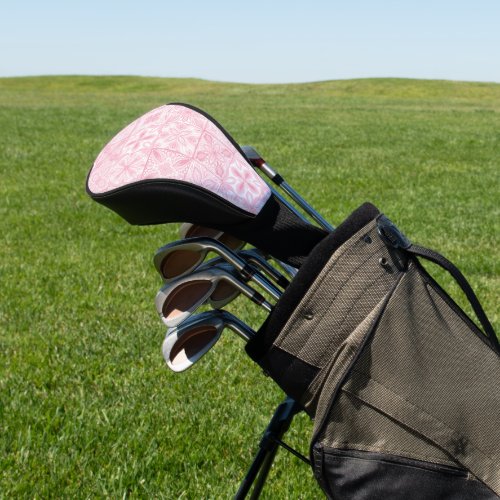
(457, 275)
(397, 240)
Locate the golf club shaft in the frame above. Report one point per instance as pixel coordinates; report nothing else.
(266, 285)
(256, 258)
(206, 245)
(258, 162)
(289, 205)
(189, 230)
(290, 270)
(303, 203)
(256, 298)
(244, 332)
(247, 270)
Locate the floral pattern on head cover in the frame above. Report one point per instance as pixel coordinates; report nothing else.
(179, 143)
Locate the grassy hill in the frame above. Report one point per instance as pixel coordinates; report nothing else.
(87, 407)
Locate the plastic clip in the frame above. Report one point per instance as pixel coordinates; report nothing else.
(395, 241)
(391, 235)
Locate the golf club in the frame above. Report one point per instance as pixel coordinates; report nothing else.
(256, 257)
(180, 257)
(186, 344)
(188, 230)
(256, 159)
(179, 299)
(177, 164)
(252, 255)
(224, 292)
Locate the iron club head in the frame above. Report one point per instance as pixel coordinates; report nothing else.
(177, 300)
(186, 344)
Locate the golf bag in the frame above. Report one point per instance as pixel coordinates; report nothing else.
(403, 387)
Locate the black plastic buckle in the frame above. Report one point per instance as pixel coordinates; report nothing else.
(391, 235)
(395, 241)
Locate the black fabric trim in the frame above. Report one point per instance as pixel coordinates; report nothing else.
(260, 344)
(278, 231)
(159, 201)
(275, 229)
(299, 374)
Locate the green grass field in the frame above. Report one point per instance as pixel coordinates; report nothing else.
(87, 406)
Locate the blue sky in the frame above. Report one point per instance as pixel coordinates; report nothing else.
(258, 41)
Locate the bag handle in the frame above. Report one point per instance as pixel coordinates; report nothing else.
(392, 236)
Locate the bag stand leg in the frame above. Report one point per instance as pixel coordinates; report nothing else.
(268, 447)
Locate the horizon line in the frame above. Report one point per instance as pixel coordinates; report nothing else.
(305, 82)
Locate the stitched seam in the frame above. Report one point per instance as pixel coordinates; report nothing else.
(448, 476)
(326, 370)
(348, 445)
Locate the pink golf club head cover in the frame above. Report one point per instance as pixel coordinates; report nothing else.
(176, 142)
(177, 164)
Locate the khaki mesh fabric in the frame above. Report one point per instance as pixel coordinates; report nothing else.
(427, 383)
(354, 425)
(341, 299)
(420, 382)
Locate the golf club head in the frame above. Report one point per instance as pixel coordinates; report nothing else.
(179, 299)
(186, 344)
(171, 265)
(177, 164)
(179, 258)
(224, 293)
(182, 348)
(188, 230)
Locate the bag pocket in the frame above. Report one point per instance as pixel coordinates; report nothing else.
(360, 475)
